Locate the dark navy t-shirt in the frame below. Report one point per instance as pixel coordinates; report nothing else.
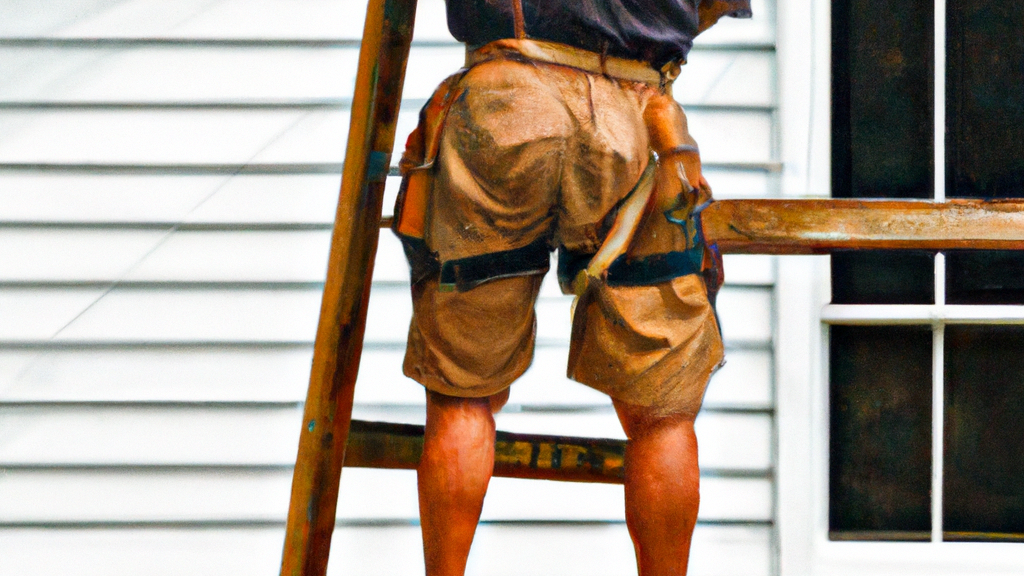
(655, 31)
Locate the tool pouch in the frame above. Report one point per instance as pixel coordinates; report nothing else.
(417, 163)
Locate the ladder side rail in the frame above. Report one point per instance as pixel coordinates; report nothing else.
(327, 415)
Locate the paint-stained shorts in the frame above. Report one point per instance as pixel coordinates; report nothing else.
(533, 154)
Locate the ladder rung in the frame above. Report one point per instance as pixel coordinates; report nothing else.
(387, 445)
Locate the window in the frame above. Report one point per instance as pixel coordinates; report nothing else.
(926, 354)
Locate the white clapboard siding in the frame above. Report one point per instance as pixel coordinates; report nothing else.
(499, 549)
(228, 137)
(76, 198)
(261, 496)
(267, 314)
(264, 199)
(166, 254)
(149, 136)
(165, 209)
(261, 374)
(77, 435)
(201, 75)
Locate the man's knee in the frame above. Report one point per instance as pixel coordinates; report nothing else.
(638, 421)
(444, 408)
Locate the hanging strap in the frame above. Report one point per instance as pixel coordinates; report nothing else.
(518, 22)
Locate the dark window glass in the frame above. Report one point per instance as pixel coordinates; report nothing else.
(983, 481)
(882, 99)
(880, 435)
(985, 102)
(986, 277)
(882, 126)
(883, 277)
(985, 136)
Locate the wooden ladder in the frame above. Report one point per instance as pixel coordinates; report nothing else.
(330, 439)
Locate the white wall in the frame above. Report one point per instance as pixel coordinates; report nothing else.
(163, 247)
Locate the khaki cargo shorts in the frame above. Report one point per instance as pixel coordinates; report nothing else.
(537, 155)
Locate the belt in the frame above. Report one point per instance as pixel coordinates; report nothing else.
(565, 55)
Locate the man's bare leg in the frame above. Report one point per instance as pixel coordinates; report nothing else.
(456, 466)
(662, 488)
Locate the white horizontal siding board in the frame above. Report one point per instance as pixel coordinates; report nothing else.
(513, 499)
(734, 441)
(365, 494)
(731, 184)
(125, 314)
(28, 314)
(211, 375)
(34, 18)
(221, 256)
(503, 550)
(745, 314)
(427, 67)
(180, 256)
(713, 78)
(141, 18)
(143, 496)
(171, 74)
(237, 256)
(313, 19)
(243, 198)
(135, 198)
(35, 254)
(268, 436)
(192, 375)
(732, 136)
(34, 197)
(276, 19)
(731, 551)
(273, 198)
(149, 435)
(498, 550)
(306, 19)
(130, 137)
(160, 375)
(545, 383)
(192, 496)
(151, 551)
(744, 382)
(178, 315)
(724, 136)
(736, 499)
(749, 269)
(321, 136)
(431, 22)
(230, 74)
(30, 72)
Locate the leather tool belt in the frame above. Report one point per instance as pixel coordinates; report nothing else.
(565, 55)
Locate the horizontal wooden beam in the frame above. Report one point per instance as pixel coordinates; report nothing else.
(805, 226)
(821, 226)
(387, 445)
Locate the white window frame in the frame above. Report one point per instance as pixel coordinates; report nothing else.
(801, 353)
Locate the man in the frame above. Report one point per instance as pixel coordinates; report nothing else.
(543, 142)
